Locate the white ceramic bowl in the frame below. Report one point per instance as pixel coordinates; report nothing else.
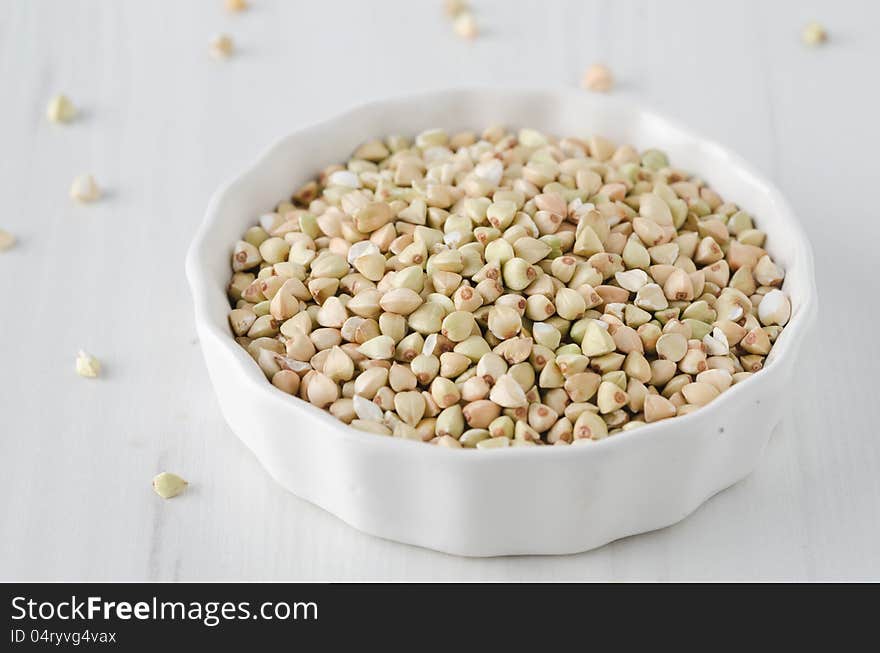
(519, 500)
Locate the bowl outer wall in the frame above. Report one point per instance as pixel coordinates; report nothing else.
(517, 501)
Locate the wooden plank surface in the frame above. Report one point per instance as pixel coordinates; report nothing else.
(163, 125)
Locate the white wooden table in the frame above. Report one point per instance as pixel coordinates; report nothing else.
(163, 124)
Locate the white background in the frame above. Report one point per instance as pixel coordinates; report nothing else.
(163, 124)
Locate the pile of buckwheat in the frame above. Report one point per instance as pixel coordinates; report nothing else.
(505, 289)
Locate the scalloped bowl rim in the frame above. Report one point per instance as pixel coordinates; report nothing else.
(201, 286)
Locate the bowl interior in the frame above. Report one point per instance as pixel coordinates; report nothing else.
(300, 156)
